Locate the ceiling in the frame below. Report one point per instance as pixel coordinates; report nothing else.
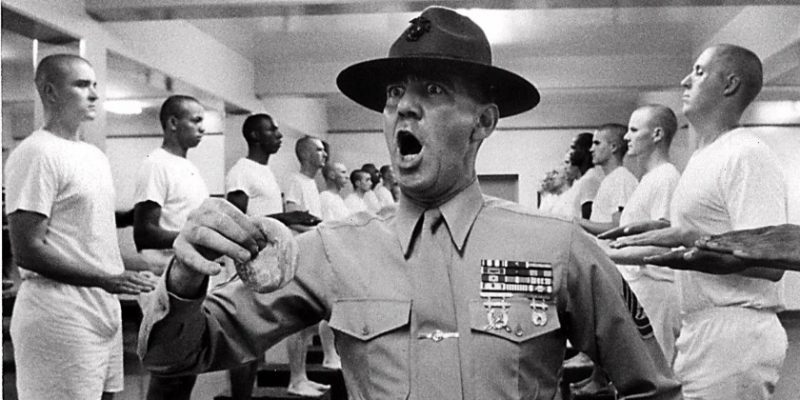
(561, 45)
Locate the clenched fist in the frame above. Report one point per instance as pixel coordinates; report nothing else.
(275, 264)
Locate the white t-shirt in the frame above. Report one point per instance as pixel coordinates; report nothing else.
(547, 202)
(650, 201)
(372, 202)
(355, 203)
(614, 192)
(333, 206)
(175, 184)
(586, 188)
(384, 195)
(259, 184)
(561, 204)
(303, 193)
(70, 183)
(733, 183)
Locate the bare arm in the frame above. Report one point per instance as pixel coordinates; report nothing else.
(596, 228)
(292, 206)
(698, 261)
(634, 228)
(586, 210)
(123, 218)
(239, 199)
(147, 233)
(632, 255)
(714, 263)
(27, 231)
(665, 237)
(775, 246)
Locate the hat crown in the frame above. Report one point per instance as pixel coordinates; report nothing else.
(443, 33)
(440, 39)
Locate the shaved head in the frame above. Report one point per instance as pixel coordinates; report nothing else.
(53, 69)
(304, 146)
(615, 134)
(744, 64)
(663, 117)
(330, 169)
(174, 106)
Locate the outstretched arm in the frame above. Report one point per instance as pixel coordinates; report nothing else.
(634, 228)
(33, 252)
(183, 331)
(633, 255)
(595, 228)
(665, 237)
(776, 246)
(685, 255)
(712, 262)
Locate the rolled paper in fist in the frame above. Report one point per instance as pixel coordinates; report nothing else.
(275, 264)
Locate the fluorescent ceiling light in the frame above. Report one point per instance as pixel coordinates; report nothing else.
(124, 107)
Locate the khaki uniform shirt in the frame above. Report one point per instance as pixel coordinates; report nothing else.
(414, 327)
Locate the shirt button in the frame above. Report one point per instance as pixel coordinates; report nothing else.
(365, 330)
(519, 332)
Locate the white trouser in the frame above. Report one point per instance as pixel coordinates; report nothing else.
(730, 353)
(59, 353)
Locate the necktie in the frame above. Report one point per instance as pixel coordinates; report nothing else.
(436, 363)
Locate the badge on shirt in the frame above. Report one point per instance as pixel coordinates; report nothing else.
(502, 279)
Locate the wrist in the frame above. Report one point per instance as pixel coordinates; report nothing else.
(101, 281)
(184, 281)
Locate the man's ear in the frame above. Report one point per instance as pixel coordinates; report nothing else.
(658, 134)
(485, 122)
(172, 122)
(732, 84)
(49, 94)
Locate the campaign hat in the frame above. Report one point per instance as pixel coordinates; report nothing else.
(441, 40)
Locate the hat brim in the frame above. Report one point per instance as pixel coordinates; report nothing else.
(365, 82)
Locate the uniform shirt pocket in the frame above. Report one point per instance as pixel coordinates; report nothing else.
(521, 324)
(521, 357)
(373, 340)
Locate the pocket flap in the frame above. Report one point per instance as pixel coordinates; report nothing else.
(521, 326)
(366, 319)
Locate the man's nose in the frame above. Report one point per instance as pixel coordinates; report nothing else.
(409, 104)
(686, 82)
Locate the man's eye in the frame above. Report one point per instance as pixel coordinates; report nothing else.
(433, 88)
(394, 91)
(698, 71)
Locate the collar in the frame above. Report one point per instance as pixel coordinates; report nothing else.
(459, 214)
